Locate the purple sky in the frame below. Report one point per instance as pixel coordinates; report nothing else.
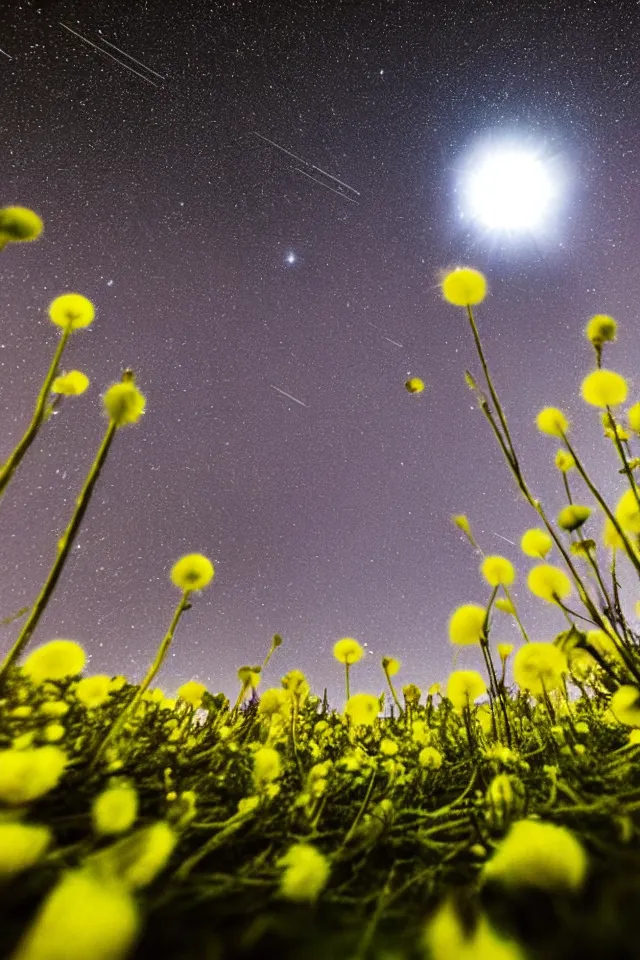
(163, 207)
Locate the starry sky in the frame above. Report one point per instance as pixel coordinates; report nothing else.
(228, 273)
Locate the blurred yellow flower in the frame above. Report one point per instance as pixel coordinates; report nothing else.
(430, 758)
(573, 517)
(70, 384)
(627, 513)
(267, 766)
(625, 705)
(390, 665)
(549, 583)
(415, 385)
(192, 572)
(192, 693)
(71, 310)
(446, 937)
(600, 329)
(21, 846)
(348, 651)
(305, 875)
(464, 286)
(362, 709)
(93, 691)
(504, 604)
(115, 809)
(539, 667)
(633, 417)
(19, 225)
(552, 421)
(26, 775)
(536, 543)
(564, 461)
(55, 660)
(123, 403)
(498, 571)
(537, 854)
(604, 388)
(466, 625)
(464, 687)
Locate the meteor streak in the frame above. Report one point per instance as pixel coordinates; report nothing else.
(287, 395)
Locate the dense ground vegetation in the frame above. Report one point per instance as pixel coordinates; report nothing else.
(495, 818)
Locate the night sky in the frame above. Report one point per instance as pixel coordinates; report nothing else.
(220, 272)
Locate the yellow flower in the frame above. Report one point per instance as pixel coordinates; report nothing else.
(549, 583)
(267, 766)
(348, 651)
(552, 421)
(123, 403)
(536, 543)
(26, 775)
(604, 388)
(504, 604)
(446, 937)
(564, 461)
(115, 809)
(504, 650)
(464, 687)
(390, 665)
(388, 747)
(541, 855)
(415, 385)
(362, 709)
(93, 691)
(498, 571)
(306, 871)
(627, 513)
(296, 685)
(135, 861)
(21, 846)
(464, 286)
(539, 667)
(82, 917)
(54, 708)
(70, 384)
(55, 660)
(192, 572)
(274, 701)
(54, 732)
(466, 625)
(600, 329)
(430, 757)
(573, 517)
(71, 310)
(625, 705)
(192, 693)
(633, 416)
(19, 225)
(462, 522)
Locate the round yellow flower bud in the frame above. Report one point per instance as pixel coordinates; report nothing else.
(625, 705)
(573, 517)
(306, 871)
(21, 846)
(267, 766)
(19, 225)
(123, 403)
(70, 384)
(466, 625)
(71, 310)
(390, 665)
(55, 660)
(348, 651)
(192, 692)
(604, 388)
(564, 461)
(539, 667)
(504, 650)
(498, 571)
(549, 583)
(600, 329)
(415, 385)
(464, 687)
(362, 709)
(540, 855)
(633, 416)
(464, 286)
(552, 421)
(536, 543)
(115, 809)
(93, 691)
(192, 572)
(26, 775)
(430, 757)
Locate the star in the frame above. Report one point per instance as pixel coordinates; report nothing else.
(290, 258)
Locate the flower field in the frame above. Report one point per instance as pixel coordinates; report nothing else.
(493, 817)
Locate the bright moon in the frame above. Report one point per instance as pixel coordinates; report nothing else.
(509, 189)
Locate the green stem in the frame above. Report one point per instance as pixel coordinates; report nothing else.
(131, 708)
(64, 546)
(8, 469)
